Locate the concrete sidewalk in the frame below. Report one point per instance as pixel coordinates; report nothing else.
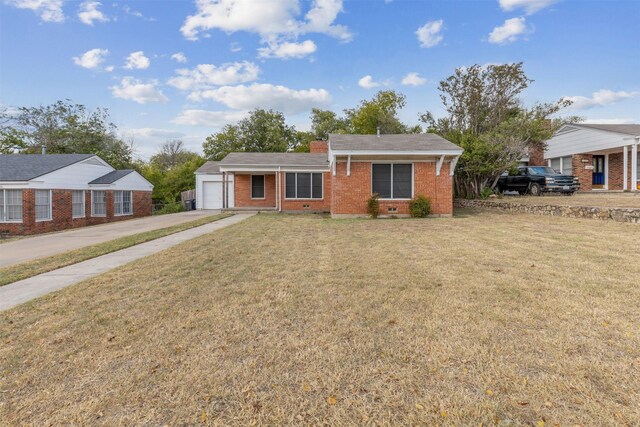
(33, 247)
(33, 287)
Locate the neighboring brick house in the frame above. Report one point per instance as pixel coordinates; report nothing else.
(602, 156)
(43, 193)
(337, 176)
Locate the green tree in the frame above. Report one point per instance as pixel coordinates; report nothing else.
(379, 112)
(63, 127)
(171, 154)
(324, 122)
(262, 131)
(485, 117)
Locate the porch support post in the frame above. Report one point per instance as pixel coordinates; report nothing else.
(333, 165)
(439, 165)
(625, 167)
(634, 167)
(349, 165)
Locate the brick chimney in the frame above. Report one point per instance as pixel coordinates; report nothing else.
(318, 146)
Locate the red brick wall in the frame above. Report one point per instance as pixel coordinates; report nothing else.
(536, 157)
(350, 193)
(318, 147)
(315, 205)
(62, 212)
(585, 175)
(242, 192)
(616, 169)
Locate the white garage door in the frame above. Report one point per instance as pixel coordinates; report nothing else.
(212, 195)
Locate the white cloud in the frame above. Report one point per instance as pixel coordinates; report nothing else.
(89, 13)
(367, 82)
(48, 10)
(137, 60)
(109, 69)
(208, 118)
(136, 13)
(529, 6)
(208, 75)
(273, 21)
(235, 47)
(429, 34)
(280, 98)
(179, 57)
(137, 91)
(510, 31)
(288, 50)
(148, 133)
(91, 59)
(600, 98)
(413, 79)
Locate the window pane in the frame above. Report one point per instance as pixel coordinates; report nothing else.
(127, 207)
(290, 185)
(316, 187)
(304, 186)
(117, 202)
(13, 205)
(99, 203)
(43, 204)
(257, 186)
(77, 203)
(566, 166)
(555, 164)
(401, 181)
(381, 180)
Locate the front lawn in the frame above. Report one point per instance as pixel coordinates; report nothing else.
(482, 319)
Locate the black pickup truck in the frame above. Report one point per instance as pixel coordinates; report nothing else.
(536, 180)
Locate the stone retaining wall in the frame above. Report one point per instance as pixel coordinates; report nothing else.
(591, 212)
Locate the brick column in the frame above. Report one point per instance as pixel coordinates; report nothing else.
(579, 170)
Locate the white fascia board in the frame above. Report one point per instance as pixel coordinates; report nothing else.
(263, 168)
(397, 153)
(12, 184)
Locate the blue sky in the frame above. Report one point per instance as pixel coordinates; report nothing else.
(182, 69)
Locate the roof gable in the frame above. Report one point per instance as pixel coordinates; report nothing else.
(25, 167)
(111, 177)
(627, 129)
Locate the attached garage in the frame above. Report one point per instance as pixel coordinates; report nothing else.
(209, 187)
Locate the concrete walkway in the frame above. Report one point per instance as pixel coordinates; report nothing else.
(33, 287)
(30, 248)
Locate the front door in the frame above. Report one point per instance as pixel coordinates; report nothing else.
(598, 172)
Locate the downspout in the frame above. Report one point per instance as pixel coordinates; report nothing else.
(279, 191)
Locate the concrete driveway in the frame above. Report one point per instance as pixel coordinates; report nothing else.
(30, 248)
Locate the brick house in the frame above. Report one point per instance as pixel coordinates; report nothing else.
(43, 193)
(602, 156)
(337, 176)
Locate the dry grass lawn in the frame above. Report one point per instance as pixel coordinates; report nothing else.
(605, 200)
(483, 319)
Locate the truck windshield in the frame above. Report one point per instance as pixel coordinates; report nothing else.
(541, 170)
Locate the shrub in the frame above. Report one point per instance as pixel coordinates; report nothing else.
(420, 206)
(485, 193)
(169, 208)
(373, 206)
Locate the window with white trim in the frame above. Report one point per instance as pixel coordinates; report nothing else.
(122, 203)
(10, 205)
(77, 203)
(257, 186)
(43, 205)
(98, 203)
(392, 180)
(303, 185)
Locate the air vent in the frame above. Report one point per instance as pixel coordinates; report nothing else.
(392, 210)
(92, 161)
(305, 206)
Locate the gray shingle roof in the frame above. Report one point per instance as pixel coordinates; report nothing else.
(403, 142)
(275, 159)
(209, 167)
(111, 177)
(631, 129)
(24, 167)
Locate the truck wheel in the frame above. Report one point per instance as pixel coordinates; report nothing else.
(534, 189)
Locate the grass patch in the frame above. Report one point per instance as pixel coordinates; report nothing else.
(488, 319)
(43, 265)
